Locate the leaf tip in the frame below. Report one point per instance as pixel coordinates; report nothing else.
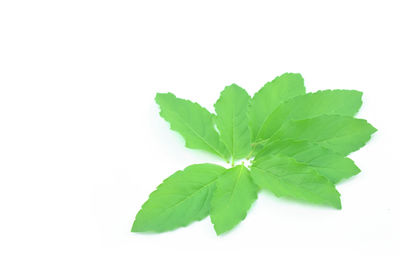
(135, 227)
(219, 231)
(374, 130)
(337, 204)
(138, 226)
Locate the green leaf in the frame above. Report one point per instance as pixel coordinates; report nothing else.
(341, 134)
(286, 177)
(233, 197)
(300, 142)
(232, 121)
(182, 198)
(341, 102)
(270, 96)
(193, 122)
(333, 166)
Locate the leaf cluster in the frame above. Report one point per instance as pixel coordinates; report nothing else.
(297, 143)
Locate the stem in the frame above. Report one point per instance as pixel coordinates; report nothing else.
(249, 156)
(254, 145)
(260, 142)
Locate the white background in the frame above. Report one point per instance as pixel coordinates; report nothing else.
(82, 145)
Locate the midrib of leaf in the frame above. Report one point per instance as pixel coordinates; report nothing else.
(198, 135)
(282, 182)
(190, 196)
(323, 141)
(204, 203)
(264, 121)
(278, 178)
(267, 171)
(308, 162)
(234, 186)
(233, 134)
(262, 126)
